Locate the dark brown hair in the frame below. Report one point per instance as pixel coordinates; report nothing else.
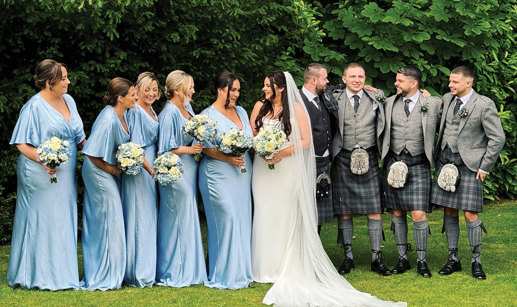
(412, 72)
(225, 79)
(117, 87)
(277, 78)
(466, 71)
(48, 70)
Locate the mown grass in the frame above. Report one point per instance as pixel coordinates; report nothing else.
(499, 257)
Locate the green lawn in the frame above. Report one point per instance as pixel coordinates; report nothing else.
(499, 255)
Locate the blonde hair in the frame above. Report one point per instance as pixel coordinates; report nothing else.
(176, 80)
(145, 80)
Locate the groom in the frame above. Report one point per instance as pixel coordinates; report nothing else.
(320, 107)
(355, 170)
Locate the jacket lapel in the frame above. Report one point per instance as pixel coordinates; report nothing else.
(469, 107)
(421, 102)
(342, 99)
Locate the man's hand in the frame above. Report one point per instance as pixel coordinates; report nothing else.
(481, 175)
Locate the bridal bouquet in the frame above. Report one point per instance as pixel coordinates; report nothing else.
(268, 142)
(235, 143)
(130, 157)
(202, 128)
(53, 153)
(168, 168)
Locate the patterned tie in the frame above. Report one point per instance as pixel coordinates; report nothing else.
(356, 102)
(406, 106)
(457, 106)
(317, 102)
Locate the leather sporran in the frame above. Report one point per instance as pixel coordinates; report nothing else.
(398, 174)
(359, 161)
(449, 177)
(323, 186)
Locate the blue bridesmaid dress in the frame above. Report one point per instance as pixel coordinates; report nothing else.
(104, 245)
(140, 203)
(44, 240)
(181, 260)
(226, 195)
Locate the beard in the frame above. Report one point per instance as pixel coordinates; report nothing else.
(320, 89)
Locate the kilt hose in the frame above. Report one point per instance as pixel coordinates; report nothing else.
(356, 194)
(325, 210)
(415, 195)
(469, 193)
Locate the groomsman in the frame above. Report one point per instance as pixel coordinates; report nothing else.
(409, 140)
(355, 170)
(471, 138)
(320, 107)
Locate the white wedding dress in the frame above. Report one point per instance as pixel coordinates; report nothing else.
(286, 248)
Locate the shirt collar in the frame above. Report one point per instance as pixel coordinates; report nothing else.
(466, 98)
(308, 94)
(350, 94)
(414, 98)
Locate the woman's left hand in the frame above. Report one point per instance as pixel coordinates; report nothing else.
(276, 158)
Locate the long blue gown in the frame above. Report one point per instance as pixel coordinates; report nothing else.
(181, 260)
(140, 204)
(104, 245)
(226, 195)
(44, 241)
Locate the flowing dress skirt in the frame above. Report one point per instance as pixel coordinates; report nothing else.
(181, 259)
(104, 245)
(140, 205)
(227, 199)
(44, 242)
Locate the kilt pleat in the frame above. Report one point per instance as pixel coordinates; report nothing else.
(356, 194)
(469, 193)
(415, 195)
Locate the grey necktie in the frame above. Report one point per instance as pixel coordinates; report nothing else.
(457, 106)
(317, 102)
(406, 106)
(356, 102)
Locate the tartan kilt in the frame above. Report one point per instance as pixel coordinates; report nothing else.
(415, 194)
(325, 210)
(469, 193)
(356, 194)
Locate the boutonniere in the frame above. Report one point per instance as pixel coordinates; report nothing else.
(380, 97)
(463, 113)
(424, 107)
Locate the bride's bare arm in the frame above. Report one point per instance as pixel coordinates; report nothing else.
(254, 115)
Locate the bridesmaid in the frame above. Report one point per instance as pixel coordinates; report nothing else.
(44, 240)
(139, 198)
(181, 261)
(226, 194)
(104, 246)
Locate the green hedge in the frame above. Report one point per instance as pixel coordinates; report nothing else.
(99, 40)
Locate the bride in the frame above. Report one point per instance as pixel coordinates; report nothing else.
(286, 249)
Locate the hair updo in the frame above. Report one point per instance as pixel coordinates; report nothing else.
(48, 70)
(225, 79)
(116, 87)
(176, 80)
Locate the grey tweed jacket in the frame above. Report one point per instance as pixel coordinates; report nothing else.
(430, 120)
(338, 142)
(480, 133)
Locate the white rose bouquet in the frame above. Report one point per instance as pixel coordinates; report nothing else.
(168, 168)
(268, 142)
(53, 153)
(130, 157)
(235, 143)
(202, 128)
